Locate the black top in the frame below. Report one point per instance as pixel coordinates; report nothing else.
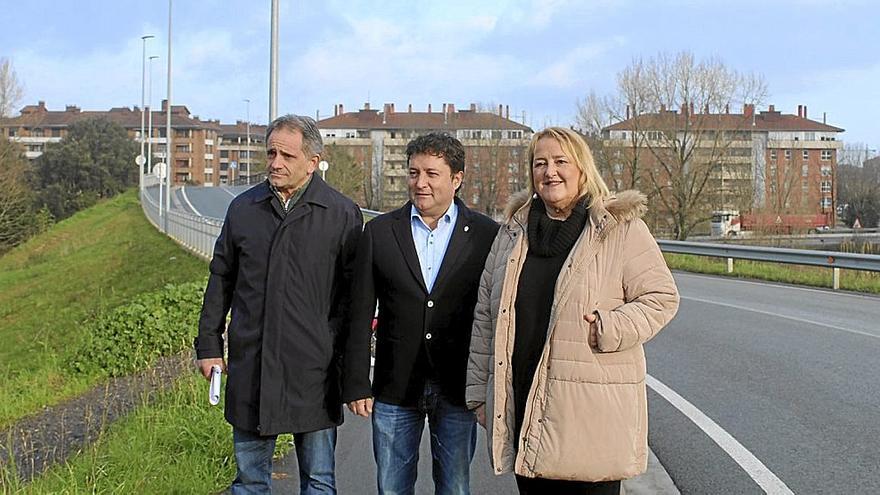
(420, 334)
(550, 242)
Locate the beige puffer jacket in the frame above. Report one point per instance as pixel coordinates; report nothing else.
(586, 414)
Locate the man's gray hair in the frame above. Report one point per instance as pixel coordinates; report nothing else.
(311, 136)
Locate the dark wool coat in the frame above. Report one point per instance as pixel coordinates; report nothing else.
(419, 332)
(287, 280)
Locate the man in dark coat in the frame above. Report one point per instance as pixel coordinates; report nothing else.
(422, 263)
(283, 264)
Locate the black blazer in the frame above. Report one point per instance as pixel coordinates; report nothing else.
(420, 334)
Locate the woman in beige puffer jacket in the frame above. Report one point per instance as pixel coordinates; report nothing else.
(577, 269)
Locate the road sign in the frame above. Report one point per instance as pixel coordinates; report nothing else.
(160, 170)
(140, 160)
(323, 166)
(233, 165)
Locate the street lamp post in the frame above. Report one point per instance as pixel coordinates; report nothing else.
(169, 161)
(150, 127)
(273, 64)
(143, 70)
(248, 124)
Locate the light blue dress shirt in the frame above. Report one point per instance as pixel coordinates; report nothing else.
(431, 244)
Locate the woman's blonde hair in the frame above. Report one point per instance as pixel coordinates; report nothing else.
(591, 184)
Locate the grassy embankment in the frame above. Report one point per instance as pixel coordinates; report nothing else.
(61, 285)
(51, 285)
(859, 281)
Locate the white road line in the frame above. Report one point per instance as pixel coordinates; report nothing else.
(227, 191)
(186, 199)
(777, 315)
(756, 469)
(769, 283)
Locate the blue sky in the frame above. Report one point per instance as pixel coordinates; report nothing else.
(537, 56)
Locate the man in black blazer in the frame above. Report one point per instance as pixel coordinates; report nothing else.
(422, 263)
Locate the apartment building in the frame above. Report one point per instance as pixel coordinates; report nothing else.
(242, 153)
(780, 163)
(195, 141)
(495, 147)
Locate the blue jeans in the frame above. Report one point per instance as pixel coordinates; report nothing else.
(397, 433)
(314, 453)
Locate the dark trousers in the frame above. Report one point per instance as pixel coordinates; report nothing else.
(541, 486)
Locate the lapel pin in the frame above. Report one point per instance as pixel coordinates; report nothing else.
(466, 228)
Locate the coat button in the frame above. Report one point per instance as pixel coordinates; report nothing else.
(499, 416)
(430, 304)
(504, 310)
(428, 336)
(500, 363)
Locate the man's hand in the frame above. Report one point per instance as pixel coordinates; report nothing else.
(480, 413)
(593, 338)
(362, 407)
(206, 364)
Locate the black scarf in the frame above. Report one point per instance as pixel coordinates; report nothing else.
(548, 237)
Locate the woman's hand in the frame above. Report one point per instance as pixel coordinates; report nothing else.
(593, 338)
(480, 413)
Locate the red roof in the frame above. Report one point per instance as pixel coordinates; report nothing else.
(462, 119)
(763, 121)
(39, 116)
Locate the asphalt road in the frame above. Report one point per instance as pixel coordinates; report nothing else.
(790, 373)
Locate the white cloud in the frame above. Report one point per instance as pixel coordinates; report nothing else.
(573, 67)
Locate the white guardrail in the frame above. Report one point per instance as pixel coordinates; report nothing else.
(198, 234)
(195, 233)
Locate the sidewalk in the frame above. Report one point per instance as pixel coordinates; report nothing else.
(356, 471)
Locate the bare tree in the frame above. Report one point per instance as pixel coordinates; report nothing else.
(496, 165)
(679, 133)
(11, 90)
(858, 185)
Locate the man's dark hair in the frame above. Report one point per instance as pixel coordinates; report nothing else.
(438, 144)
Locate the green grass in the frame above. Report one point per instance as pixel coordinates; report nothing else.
(96, 260)
(859, 281)
(176, 444)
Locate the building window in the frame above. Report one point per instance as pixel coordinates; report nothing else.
(37, 133)
(654, 135)
(11, 132)
(826, 171)
(224, 153)
(805, 185)
(805, 170)
(788, 154)
(826, 203)
(56, 132)
(476, 134)
(773, 155)
(806, 154)
(826, 155)
(514, 134)
(349, 135)
(826, 186)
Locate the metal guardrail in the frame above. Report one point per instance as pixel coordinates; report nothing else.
(828, 259)
(196, 234)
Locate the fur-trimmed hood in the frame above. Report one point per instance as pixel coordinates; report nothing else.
(623, 206)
